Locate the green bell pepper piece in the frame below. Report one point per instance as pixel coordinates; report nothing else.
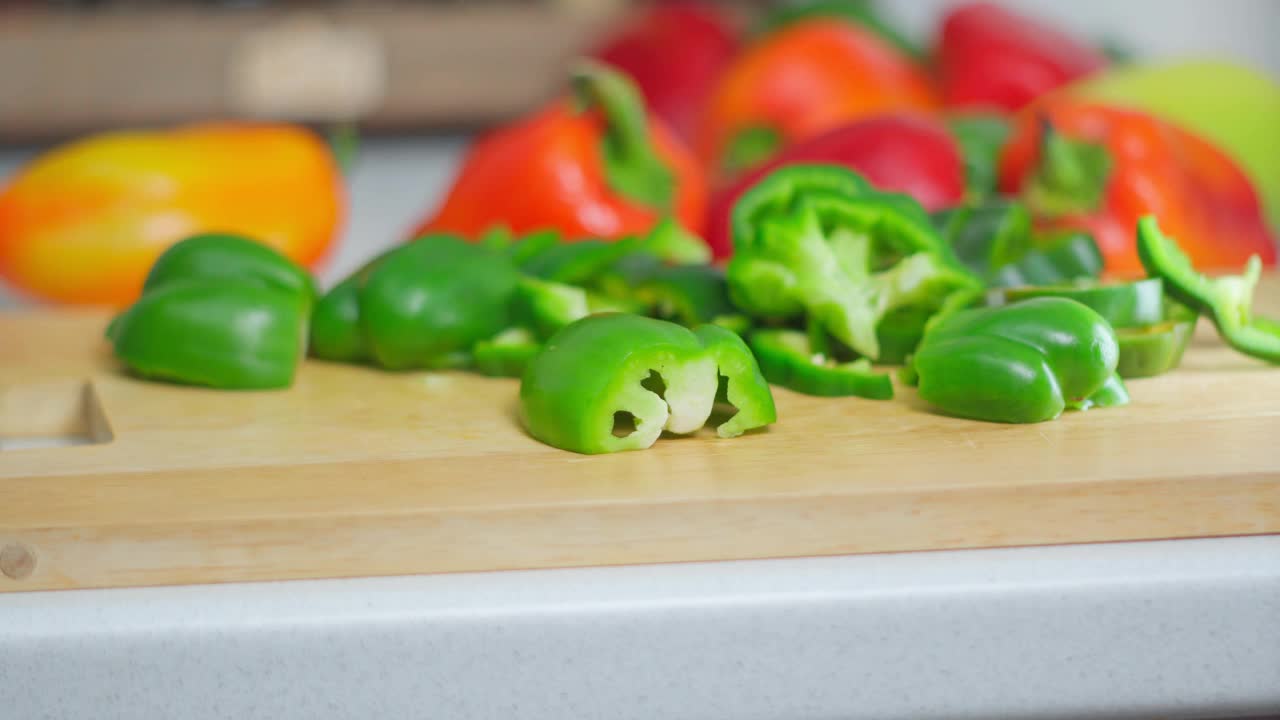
(1021, 363)
(815, 240)
(980, 138)
(900, 332)
(743, 384)
(506, 354)
(613, 382)
(1226, 300)
(335, 324)
(1124, 305)
(209, 332)
(787, 358)
(1052, 260)
(548, 306)
(687, 294)
(1113, 393)
(1155, 349)
(424, 304)
(522, 251)
(986, 236)
(230, 258)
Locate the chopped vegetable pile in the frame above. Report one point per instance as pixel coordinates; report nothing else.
(707, 211)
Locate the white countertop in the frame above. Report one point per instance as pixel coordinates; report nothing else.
(1179, 629)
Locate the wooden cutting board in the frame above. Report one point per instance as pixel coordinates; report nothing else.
(357, 472)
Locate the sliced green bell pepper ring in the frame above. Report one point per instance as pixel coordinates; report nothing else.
(815, 240)
(786, 358)
(548, 306)
(1226, 300)
(209, 332)
(576, 263)
(613, 382)
(230, 258)
(1124, 305)
(1021, 363)
(424, 304)
(1154, 349)
(743, 384)
(507, 354)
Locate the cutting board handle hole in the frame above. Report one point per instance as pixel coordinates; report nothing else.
(63, 413)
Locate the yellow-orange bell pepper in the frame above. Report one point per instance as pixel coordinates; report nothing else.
(83, 222)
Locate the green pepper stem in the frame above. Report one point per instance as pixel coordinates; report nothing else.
(632, 165)
(1071, 176)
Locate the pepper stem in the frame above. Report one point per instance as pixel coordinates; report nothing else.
(632, 165)
(1071, 176)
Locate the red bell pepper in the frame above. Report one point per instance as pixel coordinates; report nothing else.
(1084, 165)
(675, 52)
(992, 57)
(590, 166)
(902, 152)
(802, 80)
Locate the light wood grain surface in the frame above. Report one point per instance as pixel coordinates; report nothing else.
(357, 472)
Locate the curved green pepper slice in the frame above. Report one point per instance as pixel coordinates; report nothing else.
(1155, 349)
(206, 332)
(1020, 363)
(335, 324)
(230, 258)
(788, 358)
(613, 382)
(1226, 300)
(506, 354)
(426, 303)
(1124, 305)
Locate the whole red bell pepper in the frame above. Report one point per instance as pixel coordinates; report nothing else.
(675, 52)
(804, 79)
(1084, 165)
(593, 165)
(84, 222)
(990, 56)
(903, 152)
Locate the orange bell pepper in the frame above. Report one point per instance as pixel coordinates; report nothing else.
(1084, 165)
(806, 78)
(594, 165)
(84, 222)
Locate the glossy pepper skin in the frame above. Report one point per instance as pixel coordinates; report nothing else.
(84, 222)
(901, 152)
(816, 242)
(589, 166)
(425, 303)
(807, 78)
(217, 334)
(1100, 169)
(675, 52)
(1022, 363)
(605, 369)
(1227, 300)
(992, 57)
(787, 358)
(230, 258)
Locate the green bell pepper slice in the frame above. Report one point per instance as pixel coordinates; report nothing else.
(612, 382)
(1124, 305)
(1052, 260)
(980, 138)
(1226, 300)
(1020, 363)
(994, 239)
(1154, 349)
(230, 258)
(213, 333)
(424, 304)
(816, 241)
(788, 358)
(506, 354)
(688, 294)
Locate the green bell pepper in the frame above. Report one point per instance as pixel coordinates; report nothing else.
(230, 258)
(424, 304)
(507, 354)
(1021, 363)
(788, 358)
(335, 324)
(205, 331)
(1124, 305)
(994, 239)
(612, 382)
(687, 294)
(816, 241)
(980, 138)
(1154, 349)
(546, 306)
(1226, 300)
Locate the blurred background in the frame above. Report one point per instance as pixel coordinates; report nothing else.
(402, 87)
